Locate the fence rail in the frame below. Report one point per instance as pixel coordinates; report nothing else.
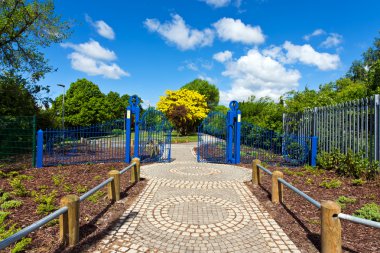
(330, 210)
(347, 126)
(69, 223)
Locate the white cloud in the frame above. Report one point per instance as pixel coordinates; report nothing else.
(177, 32)
(236, 31)
(222, 56)
(92, 49)
(307, 55)
(93, 67)
(332, 40)
(92, 59)
(208, 79)
(317, 32)
(192, 66)
(102, 28)
(259, 75)
(217, 3)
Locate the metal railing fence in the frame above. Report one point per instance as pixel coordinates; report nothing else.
(352, 125)
(36, 225)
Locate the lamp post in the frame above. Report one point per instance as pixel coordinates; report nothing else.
(63, 106)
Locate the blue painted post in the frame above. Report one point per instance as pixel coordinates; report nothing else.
(128, 136)
(237, 136)
(170, 143)
(199, 144)
(137, 119)
(40, 148)
(229, 137)
(314, 148)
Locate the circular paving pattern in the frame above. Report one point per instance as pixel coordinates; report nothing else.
(195, 171)
(197, 216)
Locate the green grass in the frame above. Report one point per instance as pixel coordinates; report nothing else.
(177, 138)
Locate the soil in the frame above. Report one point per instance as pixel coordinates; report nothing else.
(300, 219)
(95, 218)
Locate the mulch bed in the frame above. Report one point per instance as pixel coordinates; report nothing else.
(95, 218)
(300, 220)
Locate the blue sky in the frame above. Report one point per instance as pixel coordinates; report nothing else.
(246, 47)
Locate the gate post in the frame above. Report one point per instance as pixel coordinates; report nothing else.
(237, 136)
(136, 109)
(233, 133)
(40, 148)
(229, 137)
(128, 136)
(314, 148)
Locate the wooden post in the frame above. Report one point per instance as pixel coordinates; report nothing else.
(277, 188)
(135, 173)
(256, 172)
(69, 222)
(114, 186)
(331, 231)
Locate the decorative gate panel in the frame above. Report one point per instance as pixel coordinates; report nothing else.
(154, 137)
(97, 143)
(212, 136)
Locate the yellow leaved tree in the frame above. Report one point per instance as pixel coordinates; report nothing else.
(184, 108)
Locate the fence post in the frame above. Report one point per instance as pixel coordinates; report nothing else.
(40, 148)
(314, 150)
(135, 173)
(69, 222)
(277, 187)
(128, 136)
(256, 172)
(237, 136)
(229, 136)
(331, 231)
(114, 185)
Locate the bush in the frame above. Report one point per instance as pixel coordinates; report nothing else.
(81, 189)
(21, 245)
(94, 198)
(370, 211)
(46, 202)
(57, 179)
(343, 201)
(18, 186)
(358, 182)
(331, 184)
(117, 132)
(10, 204)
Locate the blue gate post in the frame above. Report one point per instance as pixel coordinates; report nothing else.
(314, 148)
(136, 110)
(237, 136)
(128, 136)
(40, 148)
(229, 137)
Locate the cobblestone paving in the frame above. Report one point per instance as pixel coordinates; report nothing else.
(195, 207)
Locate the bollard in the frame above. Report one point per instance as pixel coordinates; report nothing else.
(135, 173)
(69, 222)
(256, 172)
(331, 231)
(277, 187)
(114, 186)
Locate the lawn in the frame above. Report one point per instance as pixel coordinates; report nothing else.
(177, 138)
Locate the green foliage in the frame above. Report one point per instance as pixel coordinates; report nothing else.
(331, 184)
(26, 27)
(343, 201)
(309, 181)
(98, 177)
(81, 188)
(21, 245)
(94, 198)
(370, 211)
(11, 204)
(294, 173)
(358, 182)
(57, 179)
(67, 188)
(46, 202)
(350, 164)
(117, 132)
(209, 91)
(19, 189)
(313, 170)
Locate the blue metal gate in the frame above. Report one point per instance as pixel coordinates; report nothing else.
(154, 137)
(219, 137)
(90, 144)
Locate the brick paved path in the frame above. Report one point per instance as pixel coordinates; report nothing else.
(195, 207)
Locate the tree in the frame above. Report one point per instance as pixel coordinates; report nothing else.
(25, 28)
(172, 106)
(116, 105)
(206, 89)
(15, 98)
(85, 104)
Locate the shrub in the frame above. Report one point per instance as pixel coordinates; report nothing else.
(117, 132)
(95, 197)
(81, 189)
(358, 182)
(10, 204)
(7, 230)
(21, 245)
(18, 186)
(309, 181)
(370, 211)
(67, 188)
(98, 177)
(343, 201)
(331, 184)
(57, 179)
(45, 202)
